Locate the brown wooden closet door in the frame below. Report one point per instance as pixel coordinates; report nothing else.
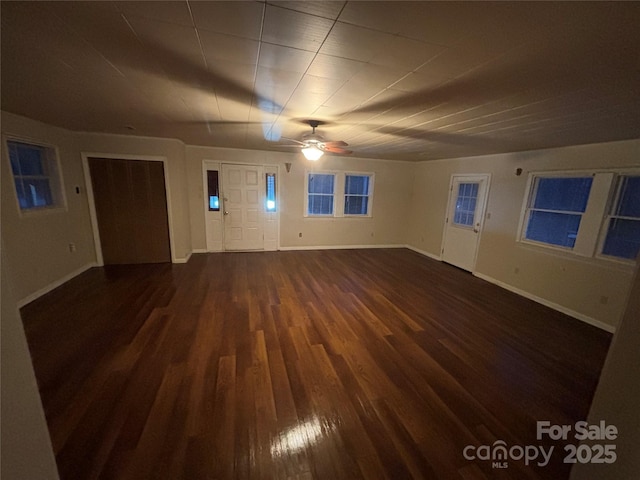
(131, 208)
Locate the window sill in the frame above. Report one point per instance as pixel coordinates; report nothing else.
(43, 211)
(568, 254)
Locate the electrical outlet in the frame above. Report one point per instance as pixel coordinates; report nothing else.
(72, 248)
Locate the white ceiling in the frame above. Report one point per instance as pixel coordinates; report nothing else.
(396, 80)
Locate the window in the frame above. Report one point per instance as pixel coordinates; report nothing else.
(271, 192)
(320, 188)
(622, 225)
(466, 204)
(356, 194)
(213, 190)
(555, 209)
(35, 174)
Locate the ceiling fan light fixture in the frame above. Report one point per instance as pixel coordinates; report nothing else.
(312, 153)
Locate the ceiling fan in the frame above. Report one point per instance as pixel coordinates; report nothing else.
(313, 145)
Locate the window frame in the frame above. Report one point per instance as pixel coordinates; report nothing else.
(530, 200)
(369, 195)
(306, 194)
(591, 231)
(339, 194)
(216, 189)
(612, 203)
(54, 175)
(273, 209)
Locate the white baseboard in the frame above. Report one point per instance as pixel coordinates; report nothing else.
(547, 303)
(339, 247)
(43, 291)
(424, 252)
(183, 259)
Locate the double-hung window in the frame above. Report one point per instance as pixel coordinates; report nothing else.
(35, 174)
(320, 194)
(591, 214)
(338, 194)
(555, 209)
(622, 224)
(356, 194)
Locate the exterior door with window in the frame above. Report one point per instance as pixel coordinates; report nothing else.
(243, 206)
(463, 224)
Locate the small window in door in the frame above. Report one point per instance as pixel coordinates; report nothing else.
(271, 192)
(213, 191)
(466, 204)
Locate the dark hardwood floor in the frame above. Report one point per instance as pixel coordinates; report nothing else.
(318, 364)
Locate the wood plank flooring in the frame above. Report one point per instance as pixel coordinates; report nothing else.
(341, 364)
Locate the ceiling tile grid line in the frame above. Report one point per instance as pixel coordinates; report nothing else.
(397, 80)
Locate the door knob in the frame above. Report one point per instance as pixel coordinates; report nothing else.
(225, 213)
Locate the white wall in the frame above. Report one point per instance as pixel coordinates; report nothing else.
(173, 151)
(409, 208)
(564, 280)
(617, 398)
(38, 242)
(26, 446)
(390, 200)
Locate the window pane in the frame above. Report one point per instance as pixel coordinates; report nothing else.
(271, 192)
(356, 185)
(321, 183)
(320, 205)
(30, 165)
(554, 228)
(356, 205)
(629, 202)
(214, 193)
(466, 204)
(564, 194)
(623, 238)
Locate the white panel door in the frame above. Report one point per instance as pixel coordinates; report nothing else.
(243, 204)
(465, 214)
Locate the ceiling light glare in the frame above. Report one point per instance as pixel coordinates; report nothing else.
(312, 153)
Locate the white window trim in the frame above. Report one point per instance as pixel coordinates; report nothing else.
(338, 193)
(306, 193)
(592, 230)
(369, 195)
(613, 198)
(60, 194)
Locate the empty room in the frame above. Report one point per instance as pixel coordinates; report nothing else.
(320, 240)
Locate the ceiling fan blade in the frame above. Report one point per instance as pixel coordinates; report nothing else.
(338, 150)
(338, 143)
(293, 140)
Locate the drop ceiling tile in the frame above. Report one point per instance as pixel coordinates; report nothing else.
(439, 23)
(169, 12)
(241, 19)
(326, 9)
(355, 43)
(294, 29)
(334, 67)
(404, 53)
(219, 46)
(172, 44)
(285, 58)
